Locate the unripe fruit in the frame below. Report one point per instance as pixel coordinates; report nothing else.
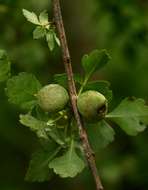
(52, 98)
(92, 105)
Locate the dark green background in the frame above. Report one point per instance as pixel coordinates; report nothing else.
(121, 27)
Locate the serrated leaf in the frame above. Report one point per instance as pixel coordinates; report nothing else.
(130, 115)
(5, 66)
(100, 134)
(68, 165)
(94, 61)
(31, 17)
(32, 122)
(50, 40)
(38, 168)
(35, 125)
(43, 18)
(42, 129)
(21, 90)
(39, 32)
(102, 87)
(62, 79)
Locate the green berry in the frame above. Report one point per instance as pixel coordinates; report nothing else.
(52, 98)
(92, 105)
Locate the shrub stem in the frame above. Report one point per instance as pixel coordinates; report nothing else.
(89, 154)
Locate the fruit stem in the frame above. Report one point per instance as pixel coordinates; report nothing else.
(83, 85)
(89, 154)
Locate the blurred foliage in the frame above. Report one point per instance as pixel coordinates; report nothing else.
(119, 26)
(123, 29)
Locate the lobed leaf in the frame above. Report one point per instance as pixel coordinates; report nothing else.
(94, 61)
(31, 17)
(39, 32)
(31, 122)
(21, 90)
(63, 80)
(38, 167)
(100, 134)
(43, 18)
(68, 165)
(51, 39)
(131, 115)
(42, 129)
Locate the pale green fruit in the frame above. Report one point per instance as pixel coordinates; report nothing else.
(52, 98)
(92, 105)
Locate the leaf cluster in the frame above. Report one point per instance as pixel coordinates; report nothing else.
(61, 150)
(44, 28)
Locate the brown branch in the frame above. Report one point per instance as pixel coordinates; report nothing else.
(73, 94)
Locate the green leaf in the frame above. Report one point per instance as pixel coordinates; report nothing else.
(5, 66)
(57, 39)
(130, 115)
(94, 61)
(63, 80)
(41, 134)
(50, 40)
(31, 17)
(39, 32)
(38, 168)
(43, 18)
(55, 135)
(102, 87)
(21, 90)
(78, 78)
(31, 122)
(100, 134)
(3, 54)
(68, 165)
(42, 129)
